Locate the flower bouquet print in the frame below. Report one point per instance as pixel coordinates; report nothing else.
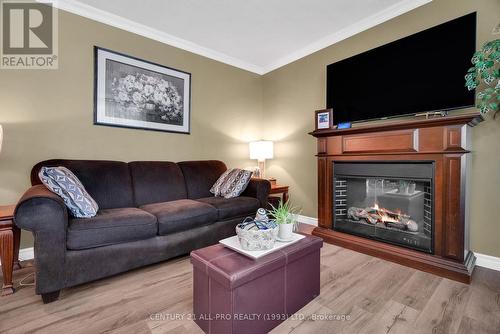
(155, 97)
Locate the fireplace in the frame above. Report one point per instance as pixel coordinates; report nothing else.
(398, 190)
(386, 201)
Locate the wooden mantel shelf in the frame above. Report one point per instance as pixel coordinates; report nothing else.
(471, 118)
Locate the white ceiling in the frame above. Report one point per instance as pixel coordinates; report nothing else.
(256, 35)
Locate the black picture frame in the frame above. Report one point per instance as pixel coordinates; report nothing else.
(130, 92)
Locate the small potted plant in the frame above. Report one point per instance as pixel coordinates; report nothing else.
(285, 216)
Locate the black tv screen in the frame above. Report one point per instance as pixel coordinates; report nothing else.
(419, 73)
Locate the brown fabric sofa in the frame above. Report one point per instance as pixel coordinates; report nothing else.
(149, 211)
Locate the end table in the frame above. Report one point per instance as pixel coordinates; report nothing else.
(278, 189)
(10, 237)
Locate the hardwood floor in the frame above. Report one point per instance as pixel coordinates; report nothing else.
(372, 295)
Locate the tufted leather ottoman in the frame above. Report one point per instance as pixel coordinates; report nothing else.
(235, 294)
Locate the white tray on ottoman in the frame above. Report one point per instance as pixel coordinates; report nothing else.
(234, 244)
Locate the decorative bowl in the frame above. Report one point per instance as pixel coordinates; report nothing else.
(257, 239)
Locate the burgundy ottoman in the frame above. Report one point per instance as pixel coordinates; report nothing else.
(235, 294)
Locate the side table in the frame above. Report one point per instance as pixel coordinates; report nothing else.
(278, 189)
(10, 237)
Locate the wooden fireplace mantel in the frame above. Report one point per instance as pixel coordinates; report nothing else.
(445, 141)
(471, 119)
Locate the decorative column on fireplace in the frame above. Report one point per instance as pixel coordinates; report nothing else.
(399, 191)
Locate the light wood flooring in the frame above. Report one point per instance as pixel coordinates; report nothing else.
(376, 295)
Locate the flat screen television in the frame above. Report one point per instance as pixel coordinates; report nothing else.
(419, 73)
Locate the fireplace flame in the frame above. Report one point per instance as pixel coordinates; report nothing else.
(387, 215)
(377, 215)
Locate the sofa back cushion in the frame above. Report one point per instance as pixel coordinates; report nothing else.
(157, 181)
(200, 176)
(108, 182)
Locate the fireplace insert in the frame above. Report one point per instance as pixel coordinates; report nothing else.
(385, 201)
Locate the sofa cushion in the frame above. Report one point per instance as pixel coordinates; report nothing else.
(157, 181)
(200, 176)
(232, 207)
(108, 182)
(111, 226)
(181, 215)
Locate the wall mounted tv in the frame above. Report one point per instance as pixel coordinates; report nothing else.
(419, 73)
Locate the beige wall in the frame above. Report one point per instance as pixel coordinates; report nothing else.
(49, 113)
(293, 92)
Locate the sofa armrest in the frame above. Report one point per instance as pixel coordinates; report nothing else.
(46, 216)
(258, 188)
(40, 209)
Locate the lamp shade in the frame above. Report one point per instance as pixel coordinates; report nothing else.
(1, 137)
(261, 150)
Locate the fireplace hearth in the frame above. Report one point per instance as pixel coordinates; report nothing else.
(399, 191)
(387, 201)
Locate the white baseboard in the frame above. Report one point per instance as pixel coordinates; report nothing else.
(482, 260)
(307, 220)
(25, 254)
(487, 261)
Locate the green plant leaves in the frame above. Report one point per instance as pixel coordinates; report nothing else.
(283, 212)
(484, 76)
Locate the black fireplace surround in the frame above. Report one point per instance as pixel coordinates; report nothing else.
(388, 201)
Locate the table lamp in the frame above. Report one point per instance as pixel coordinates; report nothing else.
(261, 150)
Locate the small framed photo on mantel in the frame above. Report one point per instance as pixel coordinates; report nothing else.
(324, 119)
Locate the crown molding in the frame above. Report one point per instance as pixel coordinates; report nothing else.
(81, 9)
(120, 22)
(349, 31)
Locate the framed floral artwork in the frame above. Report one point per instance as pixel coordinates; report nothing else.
(134, 93)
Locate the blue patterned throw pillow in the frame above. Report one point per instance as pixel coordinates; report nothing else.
(64, 183)
(231, 183)
(216, 188)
